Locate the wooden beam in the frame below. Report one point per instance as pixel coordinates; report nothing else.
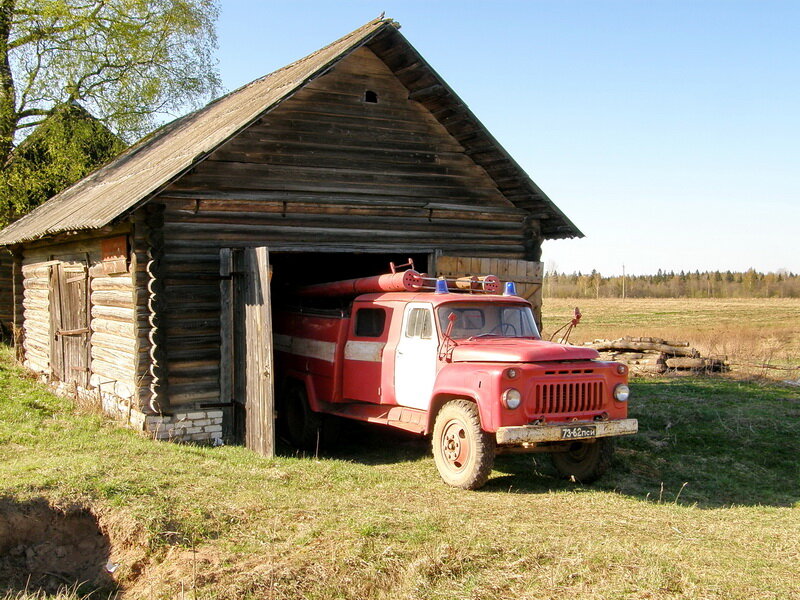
(432, 90)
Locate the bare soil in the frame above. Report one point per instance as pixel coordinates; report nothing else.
(46, 549)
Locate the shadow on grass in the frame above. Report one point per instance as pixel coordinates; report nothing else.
(365, 444)
(706, 441)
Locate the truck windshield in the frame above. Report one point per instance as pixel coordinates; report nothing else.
(486, 319)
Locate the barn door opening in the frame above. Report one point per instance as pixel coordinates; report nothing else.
(69, 320)
(246, 374)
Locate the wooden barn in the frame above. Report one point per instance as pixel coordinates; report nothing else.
(149, 284)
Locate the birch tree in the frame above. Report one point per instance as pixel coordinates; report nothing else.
(128, 62)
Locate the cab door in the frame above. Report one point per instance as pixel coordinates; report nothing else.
(416, 357)
(363, 353)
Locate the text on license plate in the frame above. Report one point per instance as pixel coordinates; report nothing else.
(578, 432)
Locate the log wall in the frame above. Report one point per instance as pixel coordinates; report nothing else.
(36, 312)
(114, 357)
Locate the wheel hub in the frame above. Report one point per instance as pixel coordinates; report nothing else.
(455, 445)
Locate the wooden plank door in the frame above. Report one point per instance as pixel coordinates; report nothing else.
(69, 320)
(246, 376)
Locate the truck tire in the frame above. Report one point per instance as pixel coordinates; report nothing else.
(301, 425)
(584, 462)
(462, 451)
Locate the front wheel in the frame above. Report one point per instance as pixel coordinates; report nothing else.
(584, 462)
(462, 451)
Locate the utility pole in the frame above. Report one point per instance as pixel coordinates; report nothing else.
(623, 281)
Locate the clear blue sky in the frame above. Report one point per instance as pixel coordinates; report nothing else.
(669, 132)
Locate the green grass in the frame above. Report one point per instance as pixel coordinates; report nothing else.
(703, 503)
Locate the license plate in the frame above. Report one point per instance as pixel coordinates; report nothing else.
(578, 432)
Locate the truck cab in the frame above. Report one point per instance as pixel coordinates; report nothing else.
(470, 370)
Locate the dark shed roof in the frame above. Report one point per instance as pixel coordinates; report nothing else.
(146, 168)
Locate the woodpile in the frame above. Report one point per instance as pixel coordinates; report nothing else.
(655, 355)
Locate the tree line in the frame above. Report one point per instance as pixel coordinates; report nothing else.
(669, 284)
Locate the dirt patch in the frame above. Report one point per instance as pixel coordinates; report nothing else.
(45, 549)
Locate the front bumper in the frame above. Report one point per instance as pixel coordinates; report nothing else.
(533, 434)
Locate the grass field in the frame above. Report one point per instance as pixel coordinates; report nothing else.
(751, 332)
(703, 503)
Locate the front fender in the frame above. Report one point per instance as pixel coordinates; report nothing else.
(477, 382)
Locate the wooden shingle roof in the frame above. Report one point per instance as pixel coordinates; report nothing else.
(143, 170)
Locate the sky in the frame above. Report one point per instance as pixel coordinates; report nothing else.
(667, 131)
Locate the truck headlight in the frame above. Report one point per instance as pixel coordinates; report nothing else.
(621, 393)
(512, 398)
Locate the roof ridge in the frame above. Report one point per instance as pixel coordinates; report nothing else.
(307, 57)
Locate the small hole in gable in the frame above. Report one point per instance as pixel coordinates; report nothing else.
(371, 97)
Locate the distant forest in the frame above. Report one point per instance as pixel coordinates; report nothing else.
(668, 284)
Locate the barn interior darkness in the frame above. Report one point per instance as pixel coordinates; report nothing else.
(291, 270)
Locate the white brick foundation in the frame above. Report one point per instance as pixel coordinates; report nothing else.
(204, 425)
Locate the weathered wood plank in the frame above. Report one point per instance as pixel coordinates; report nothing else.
(260, 431)
(184, 205)
(113, 327)
(193, 394)
(112, 283)
(302, 147)
(180, 232)
(114, 313)
(121, 298)
(54, 305)
(243, 181)
(123, 360)
(428, 221)
(227, 356)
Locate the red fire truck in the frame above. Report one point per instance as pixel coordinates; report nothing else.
(456, 360)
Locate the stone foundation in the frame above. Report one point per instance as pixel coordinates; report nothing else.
(193, 425)
(190, 425)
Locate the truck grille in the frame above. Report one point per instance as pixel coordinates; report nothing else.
(581, 396)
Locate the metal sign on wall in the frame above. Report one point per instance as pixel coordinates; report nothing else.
(114, 252)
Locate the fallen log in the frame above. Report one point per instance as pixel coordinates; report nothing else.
(630, 345)
(653, 340)
(686, 363)
(629, 355)
(650, 369)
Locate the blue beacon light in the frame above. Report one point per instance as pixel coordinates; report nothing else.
(510, 289)
(441, 286)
